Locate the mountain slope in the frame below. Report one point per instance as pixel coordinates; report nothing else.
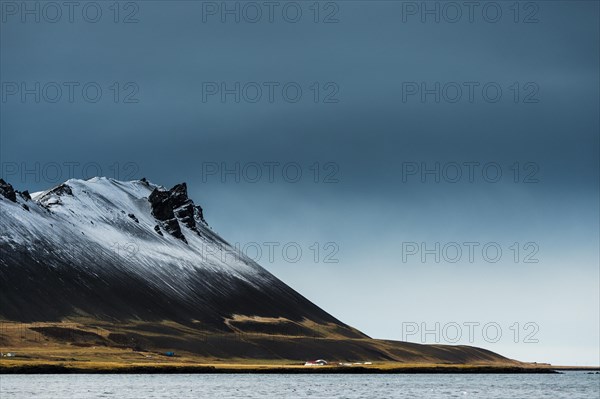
(133, 264)
(101, 248)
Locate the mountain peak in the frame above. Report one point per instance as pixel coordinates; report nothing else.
(173, 206)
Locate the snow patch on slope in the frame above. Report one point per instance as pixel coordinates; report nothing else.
(81, 214)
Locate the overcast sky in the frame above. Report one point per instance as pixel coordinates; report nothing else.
(398, 153)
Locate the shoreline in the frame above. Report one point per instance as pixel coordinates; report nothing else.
(251, 369)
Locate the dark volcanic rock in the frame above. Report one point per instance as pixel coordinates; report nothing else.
(179, 194)
(174, 206)
(7, 191)
(162, 206)
(172, 227)
(132, 216)
(200, 214)
(185, 214)
(157, 229)
(162, 209)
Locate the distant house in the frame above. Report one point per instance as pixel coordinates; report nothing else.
(319, 362)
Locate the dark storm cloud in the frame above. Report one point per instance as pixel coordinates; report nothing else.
(369, 55)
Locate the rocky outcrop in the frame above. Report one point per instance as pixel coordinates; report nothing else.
(162, 209)
(7, 191)
(63, 189)
(53, 197)
(172, 207)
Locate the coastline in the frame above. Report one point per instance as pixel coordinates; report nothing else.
(279, 369)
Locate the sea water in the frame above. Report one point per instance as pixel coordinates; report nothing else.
(568, 385)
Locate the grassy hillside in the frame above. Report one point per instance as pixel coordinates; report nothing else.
(252, 344)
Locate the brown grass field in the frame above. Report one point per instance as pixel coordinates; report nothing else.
(87, 346)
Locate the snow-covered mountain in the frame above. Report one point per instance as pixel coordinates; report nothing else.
(140, 263)
(119, 250)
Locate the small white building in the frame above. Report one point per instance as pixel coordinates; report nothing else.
(319, 362)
